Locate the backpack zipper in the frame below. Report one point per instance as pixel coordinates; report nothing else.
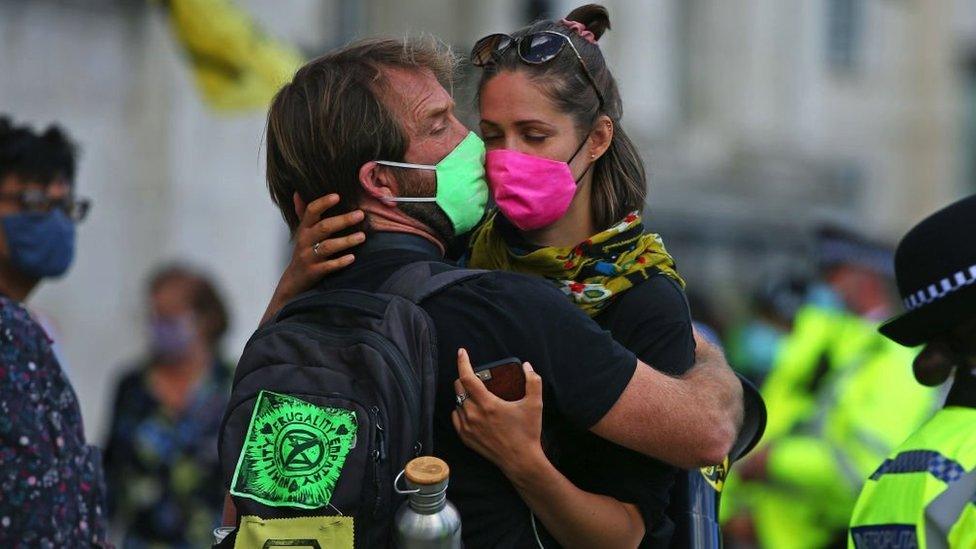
(379, 455)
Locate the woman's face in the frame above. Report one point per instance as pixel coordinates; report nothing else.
(174, 330)
(516, 115)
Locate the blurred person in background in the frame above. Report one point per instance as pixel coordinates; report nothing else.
(161, 457)
(51, 486)
(924, 493)
(705, 318)
(753, 345)
(839, 398)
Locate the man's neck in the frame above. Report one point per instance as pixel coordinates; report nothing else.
(14, 284)
(392, 220)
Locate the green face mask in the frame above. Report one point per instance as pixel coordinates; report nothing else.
(462, 191)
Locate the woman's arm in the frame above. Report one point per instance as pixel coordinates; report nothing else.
(576, 518)
(509, 435)
(314, 248)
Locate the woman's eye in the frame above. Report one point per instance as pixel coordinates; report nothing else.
(535, 138)
(490, 137)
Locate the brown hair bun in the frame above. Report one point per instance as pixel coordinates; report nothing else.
(594, 17)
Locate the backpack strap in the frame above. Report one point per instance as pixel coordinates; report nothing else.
(311, 301)
(421, 280)
(414, 282)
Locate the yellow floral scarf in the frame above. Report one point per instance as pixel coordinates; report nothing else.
(591, 273)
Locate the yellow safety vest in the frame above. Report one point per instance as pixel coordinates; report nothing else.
(822, 341)
(924, 494)
(839, 399)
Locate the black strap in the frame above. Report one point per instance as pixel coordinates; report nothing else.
(364, 303)
(753, 420)
(963, 392)
(421, 280)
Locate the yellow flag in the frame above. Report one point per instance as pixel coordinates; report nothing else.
(235, 65)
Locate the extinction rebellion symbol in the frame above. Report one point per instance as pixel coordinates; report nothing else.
(293, 452)
(300, 450)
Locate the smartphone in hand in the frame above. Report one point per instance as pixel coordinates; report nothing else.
(504, 378)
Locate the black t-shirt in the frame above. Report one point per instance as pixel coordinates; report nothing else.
(654, 322)
(495, 316)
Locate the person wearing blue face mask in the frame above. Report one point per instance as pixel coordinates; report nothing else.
(50, 478)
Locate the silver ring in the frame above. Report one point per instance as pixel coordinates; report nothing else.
(315, 249)
(459, 399)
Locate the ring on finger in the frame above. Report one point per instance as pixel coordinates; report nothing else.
(315, 249)
(459, 399)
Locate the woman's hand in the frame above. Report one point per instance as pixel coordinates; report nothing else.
(509, 435)
(313, 256)
(506, 433)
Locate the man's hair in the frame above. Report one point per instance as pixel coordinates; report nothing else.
(36, 157)
(334, 116)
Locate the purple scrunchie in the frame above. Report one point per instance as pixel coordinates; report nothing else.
(579, 29)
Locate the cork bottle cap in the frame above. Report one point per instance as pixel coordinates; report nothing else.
(426, 471)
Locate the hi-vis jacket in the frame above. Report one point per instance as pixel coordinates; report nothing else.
(840, 398)
(924, 494)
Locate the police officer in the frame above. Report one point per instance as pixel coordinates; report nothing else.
(837, 405)
(924, 494)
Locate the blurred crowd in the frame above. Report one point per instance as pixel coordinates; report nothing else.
(154, 475)
(843, 386)
(840, 396)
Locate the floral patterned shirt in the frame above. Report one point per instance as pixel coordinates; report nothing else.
(51, 486)
(163, 472)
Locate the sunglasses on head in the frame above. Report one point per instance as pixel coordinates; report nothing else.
(535, 48)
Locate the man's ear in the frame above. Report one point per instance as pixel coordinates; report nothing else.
(378, 182)
(300, 205)
(600, 137)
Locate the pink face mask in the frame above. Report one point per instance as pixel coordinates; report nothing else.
(531, 192)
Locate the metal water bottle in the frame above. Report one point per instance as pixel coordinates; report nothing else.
(427, 520)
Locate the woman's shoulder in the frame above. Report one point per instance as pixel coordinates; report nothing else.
(15, 317)
(131, 386)
(653, 321)
(657, 298)
(21, 337)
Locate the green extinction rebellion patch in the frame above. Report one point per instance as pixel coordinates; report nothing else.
(293, 452)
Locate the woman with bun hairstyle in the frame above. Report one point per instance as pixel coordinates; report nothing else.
(569, 187)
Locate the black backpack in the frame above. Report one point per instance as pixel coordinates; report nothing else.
(331, 399)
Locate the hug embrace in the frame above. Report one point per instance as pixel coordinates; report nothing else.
(375, 342)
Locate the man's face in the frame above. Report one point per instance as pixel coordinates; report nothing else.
(426, 111)
(18, 195)
(957, 348)
(861, 288)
